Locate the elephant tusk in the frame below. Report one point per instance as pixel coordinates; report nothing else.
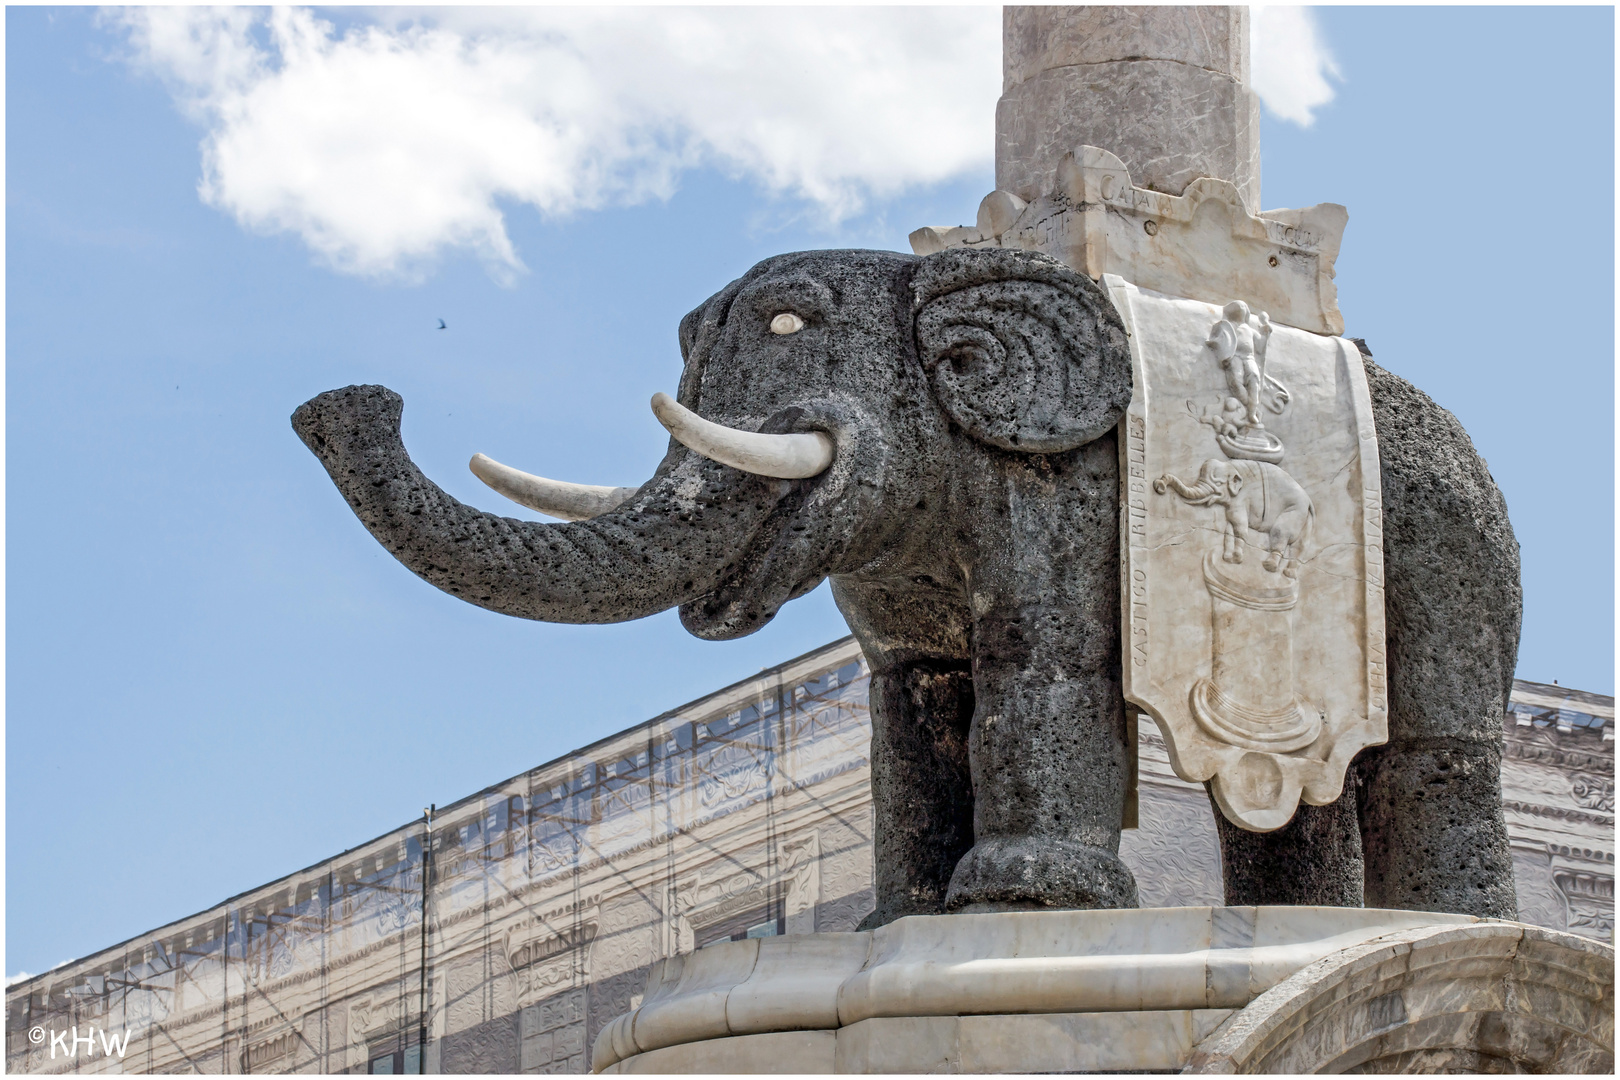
(783, 457)
(571, 502)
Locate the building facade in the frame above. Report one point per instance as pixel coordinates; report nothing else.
(502, 936)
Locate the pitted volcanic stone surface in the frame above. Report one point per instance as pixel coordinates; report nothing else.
(1430, 801)
(970, 526)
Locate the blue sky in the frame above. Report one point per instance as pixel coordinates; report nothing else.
(214, 676)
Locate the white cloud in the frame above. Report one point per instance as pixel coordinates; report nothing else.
(1291, 63)
(385, 144)
(22, 975)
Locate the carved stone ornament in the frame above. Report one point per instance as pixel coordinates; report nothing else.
(546, 950)
(1204, 243)
(1252, 552)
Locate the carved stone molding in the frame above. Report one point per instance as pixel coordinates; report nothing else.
(1561, 812)
(549, 952)
(722, 891)
(1589, 899)
(1568, 851)
(268, 1055)
(1593, 792)
(1204, 244)
(802, 880)
(376, 1014)
(1539, 747)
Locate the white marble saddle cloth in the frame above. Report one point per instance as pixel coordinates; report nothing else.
(1252, 552)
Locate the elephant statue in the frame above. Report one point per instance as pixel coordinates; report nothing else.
(936, 435)
(1254, 495)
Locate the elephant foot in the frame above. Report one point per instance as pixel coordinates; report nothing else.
(1032, 873)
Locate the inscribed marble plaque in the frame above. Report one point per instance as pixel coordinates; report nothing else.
(1252, 552)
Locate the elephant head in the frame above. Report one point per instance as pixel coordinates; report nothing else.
(1218, 481)
(905, 426)
(873, 355)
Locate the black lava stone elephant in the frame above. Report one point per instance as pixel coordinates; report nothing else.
(936, 435)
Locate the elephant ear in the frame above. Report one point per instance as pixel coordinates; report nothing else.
(1023, 352)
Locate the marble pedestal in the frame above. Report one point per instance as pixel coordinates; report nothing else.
(1268, 989)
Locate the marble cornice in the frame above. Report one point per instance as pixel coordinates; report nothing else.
(1540, 751)
(1560, 812)
(1580, 854)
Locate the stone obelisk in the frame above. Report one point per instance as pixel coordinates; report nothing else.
(1164, 88)
(1167, 91)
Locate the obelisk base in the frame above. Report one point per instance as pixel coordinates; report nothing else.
(1268, 989)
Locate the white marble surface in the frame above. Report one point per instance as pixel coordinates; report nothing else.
(1204, 243)
(1487, 997)
(779, 1052)
(1254, 614)
(1123, 963)
(1025, 1042)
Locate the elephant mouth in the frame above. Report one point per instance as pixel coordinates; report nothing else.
(761, 579)
(805, 458)
(819, 526)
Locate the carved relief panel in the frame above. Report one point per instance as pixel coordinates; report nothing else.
(1588, 899)
(548, 951)
(1253, 557)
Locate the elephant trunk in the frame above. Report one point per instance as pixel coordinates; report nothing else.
(677, 538)
(1199, 493)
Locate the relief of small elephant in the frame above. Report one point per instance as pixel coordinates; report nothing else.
(936, 435)
(1255, 495)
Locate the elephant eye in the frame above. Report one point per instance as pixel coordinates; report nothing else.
(787, 323)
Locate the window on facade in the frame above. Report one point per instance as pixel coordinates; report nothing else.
(408, 1062)
(757, 922)
(1564, 720)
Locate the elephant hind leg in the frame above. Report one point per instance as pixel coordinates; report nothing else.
(1431, 801)
(922, 792)
(1315, 859)
(1431, 820)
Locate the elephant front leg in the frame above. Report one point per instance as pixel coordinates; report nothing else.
(1232, 532)
(1047, 744)
(1049, 779)
(922, 796)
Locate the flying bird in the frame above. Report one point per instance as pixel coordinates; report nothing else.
(441, 325)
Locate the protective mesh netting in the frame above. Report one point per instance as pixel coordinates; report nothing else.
(547, 898)
(747, 813)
